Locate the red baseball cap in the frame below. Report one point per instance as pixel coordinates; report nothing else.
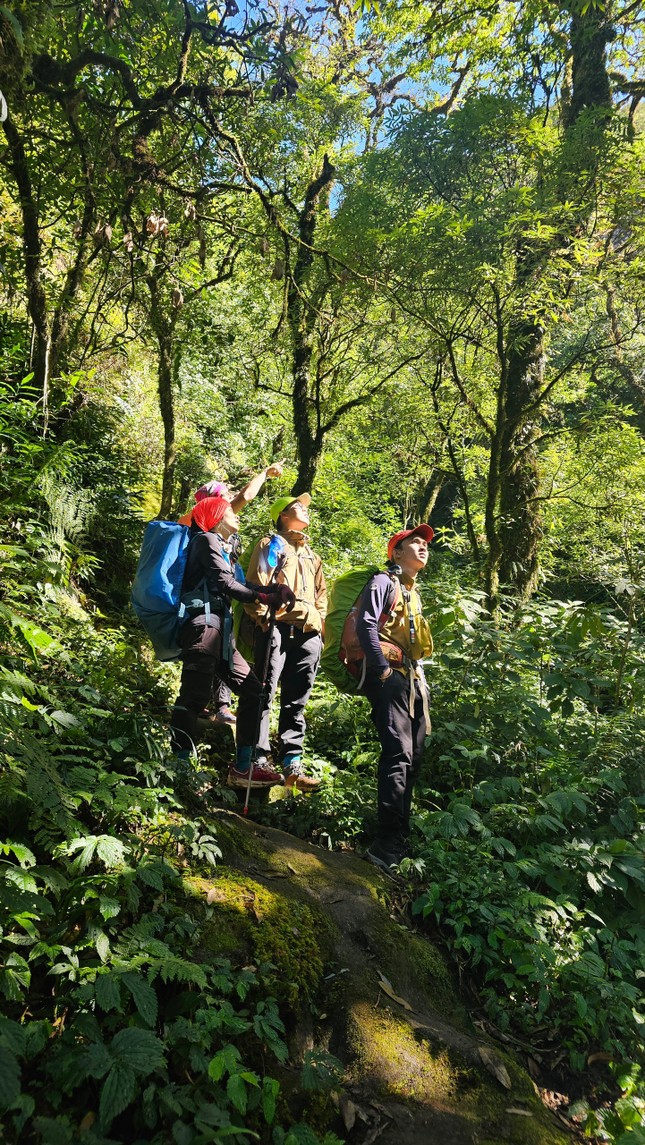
(420, 530)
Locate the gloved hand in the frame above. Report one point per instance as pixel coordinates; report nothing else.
(277, 596)
(283, 597)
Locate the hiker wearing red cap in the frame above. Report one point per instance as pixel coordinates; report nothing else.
(395, 637)
(208, 646)
(221, 699)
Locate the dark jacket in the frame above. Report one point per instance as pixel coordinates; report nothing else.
(208, 561)
(377, 600)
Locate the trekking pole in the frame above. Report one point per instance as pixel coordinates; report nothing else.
(265, 676)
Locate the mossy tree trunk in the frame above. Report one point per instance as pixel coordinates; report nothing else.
(303, 300)
(163, 320)
(513, 523)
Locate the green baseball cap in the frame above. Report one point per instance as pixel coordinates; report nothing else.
(283, 503)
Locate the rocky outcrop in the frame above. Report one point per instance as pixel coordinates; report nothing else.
(356, 982)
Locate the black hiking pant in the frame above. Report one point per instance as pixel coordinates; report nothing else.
(294, 656)
(202, 665)
(222, 695)
(402, 736)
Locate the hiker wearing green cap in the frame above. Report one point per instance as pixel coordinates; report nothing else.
(286, 652)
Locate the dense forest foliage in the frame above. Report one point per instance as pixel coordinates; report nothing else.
(403, 247)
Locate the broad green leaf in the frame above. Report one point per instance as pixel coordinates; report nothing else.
(25, 857)
(102, 944)
(111, 851)
(236, 1090)
(106, 989)
(9, 1077)
(145, 997)
(140, 1049)
(14, 23)
(118, 1091)
(270, 1091)
(226, 1060)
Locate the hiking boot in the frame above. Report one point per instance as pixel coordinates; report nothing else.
(224, 716)
(262, 776)
(294, 774)
(386, 854)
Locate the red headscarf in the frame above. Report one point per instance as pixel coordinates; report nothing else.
(209, 512)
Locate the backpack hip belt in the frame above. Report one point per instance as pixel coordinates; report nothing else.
(194, 605)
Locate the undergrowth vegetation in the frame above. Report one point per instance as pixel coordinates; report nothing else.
(118, 1024)
(528, 855)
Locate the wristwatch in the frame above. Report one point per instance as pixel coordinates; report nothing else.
(386, 674)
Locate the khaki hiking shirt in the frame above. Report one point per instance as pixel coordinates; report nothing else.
(396, 629)
(302, 571)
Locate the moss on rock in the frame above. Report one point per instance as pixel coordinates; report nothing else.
(303, 909)
(384, 1047)
(268, 926)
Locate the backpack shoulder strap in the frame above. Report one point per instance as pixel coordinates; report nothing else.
(395, 587)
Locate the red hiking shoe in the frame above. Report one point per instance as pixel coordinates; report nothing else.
(262, 776)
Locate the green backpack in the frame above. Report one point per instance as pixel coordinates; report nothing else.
(341, 644)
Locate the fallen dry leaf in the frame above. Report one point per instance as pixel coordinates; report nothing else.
(601, 1056)
(348, 1111)
(386, 987)
(495, 1065)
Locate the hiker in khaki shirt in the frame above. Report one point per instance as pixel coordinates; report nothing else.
(293, 656)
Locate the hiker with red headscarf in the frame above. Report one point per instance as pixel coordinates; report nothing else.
(395, 637)
(208, 645)
(221, 698)
(239, 500)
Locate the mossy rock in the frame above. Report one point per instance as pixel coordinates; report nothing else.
(258, 923)
(355, 981)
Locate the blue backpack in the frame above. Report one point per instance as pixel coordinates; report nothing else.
(156, 592)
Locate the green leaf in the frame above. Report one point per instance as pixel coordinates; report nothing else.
(102, 944)
(182, 1134)
(15, 977)
(96, 1060)
(321, 1071)
(9, 1077)
(109, 907)
(110, 850)
(139, 1049)
(87, 847)
(64, 719)
(226, 1060)
(16, 28)
(25, 857)
(250, 1078)
(151, 874)
(270, 1091)
(108, 995)
(145, 997)
(54, 1130)
(236, 1090)
(118, 1091)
